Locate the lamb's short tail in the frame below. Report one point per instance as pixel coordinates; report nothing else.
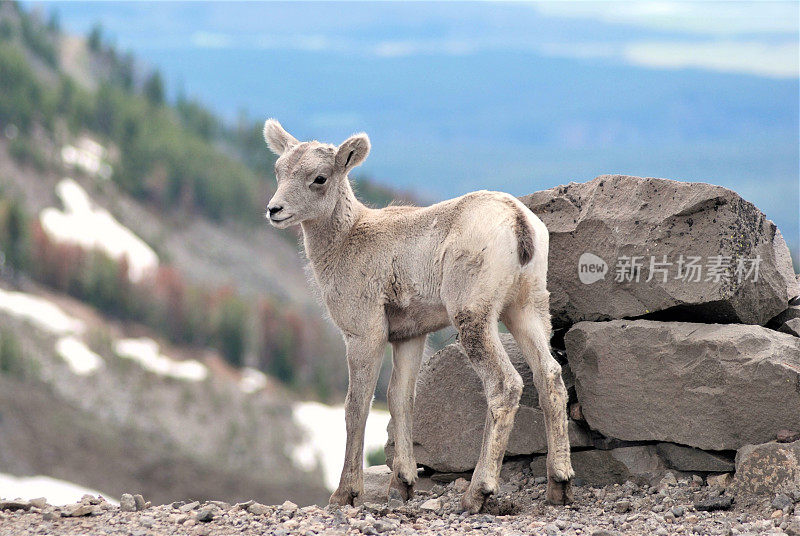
(524, 233)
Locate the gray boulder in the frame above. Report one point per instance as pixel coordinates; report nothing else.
(768, 468)
(376, 484)
(715, 387)
(450, 413)
(614, 216)
(791, 326)
(615, 466)
(694, 460)
(788, 321)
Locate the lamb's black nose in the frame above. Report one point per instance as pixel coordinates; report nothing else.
(274, 210)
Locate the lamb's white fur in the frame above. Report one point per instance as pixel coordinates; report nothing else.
(398, 273)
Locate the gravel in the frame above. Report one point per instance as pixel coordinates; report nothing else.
(685, 507)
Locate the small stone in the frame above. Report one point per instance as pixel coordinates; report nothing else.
(604, 532)
(776, 514)
(692, 519)
(540, 480)
(551, 529)
(431, 505)
(188, 507)
(15, 505)
(721, 481)
(697, 480)
(258, 509)
(50, 515)
(711, 504)
(373, 508)
(77, 510)
(140, 503)
(288, 506)
(461, 485)
(39, 502)
(622, 506)
(781, 501)
(205, 514)
(668, 480)
(368, 529)
(787, 436)
(437, 490)
(677, 511)
(394, 503)
(127, 503)
(385, 525)
(507, 489)
(147, 521)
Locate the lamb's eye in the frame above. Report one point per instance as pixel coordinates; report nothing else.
(320, 180)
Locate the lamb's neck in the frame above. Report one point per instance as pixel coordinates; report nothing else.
(322, 236)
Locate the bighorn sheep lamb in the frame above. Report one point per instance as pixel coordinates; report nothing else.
(395, 274)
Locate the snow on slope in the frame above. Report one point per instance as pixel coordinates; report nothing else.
(146, 352)
(80, 359)
(57, 492)
(326, 435)
(39, 311)
(87, 155)
(252, 380)
(91, 227)
(49, 317)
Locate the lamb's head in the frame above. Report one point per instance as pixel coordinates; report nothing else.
(312, 176)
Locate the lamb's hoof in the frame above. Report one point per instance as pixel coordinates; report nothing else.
(405, 489)
(342, 497)
(559, 492)
(560, 470)
(474, 498)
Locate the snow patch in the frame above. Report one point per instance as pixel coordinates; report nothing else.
(146, 352)
(88, 156)
(252, 380)
(81, 360)
(57, 492)
(40, 311)
(91, 227)
(326, 436)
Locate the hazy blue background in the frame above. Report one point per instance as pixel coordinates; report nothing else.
(516, 97)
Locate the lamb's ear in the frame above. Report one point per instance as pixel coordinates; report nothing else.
(352, 152)
(278, 140)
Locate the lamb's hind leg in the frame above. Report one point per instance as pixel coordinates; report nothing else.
(529, 323)
(406, 357)
(503, 387)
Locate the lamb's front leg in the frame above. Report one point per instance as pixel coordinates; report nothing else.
(364, 356)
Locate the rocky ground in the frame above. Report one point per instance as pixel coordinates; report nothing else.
(685, 506)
